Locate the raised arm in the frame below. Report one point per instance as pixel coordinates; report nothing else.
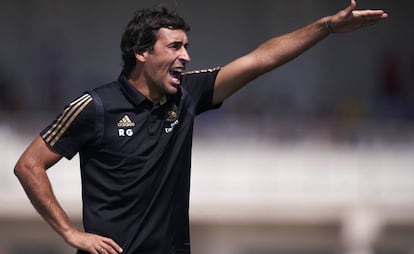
(280, 50)
(31, 172)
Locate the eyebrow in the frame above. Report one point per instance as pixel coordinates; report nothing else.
(179, 42)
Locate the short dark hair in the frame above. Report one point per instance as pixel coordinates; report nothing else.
(140, 34)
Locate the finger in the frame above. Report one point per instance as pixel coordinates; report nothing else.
(351, 7)
(112, 245)
(370, 14)
(348, 12)
(94, 251)
(101, 250)
(353, 4)
(107, 249)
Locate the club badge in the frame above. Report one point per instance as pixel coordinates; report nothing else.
(172, 114)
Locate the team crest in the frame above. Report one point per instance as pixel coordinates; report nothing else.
(172, 114)
(172, 118)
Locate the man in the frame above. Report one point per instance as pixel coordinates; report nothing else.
(134, 135)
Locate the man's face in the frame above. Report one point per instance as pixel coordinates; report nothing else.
(165, 63)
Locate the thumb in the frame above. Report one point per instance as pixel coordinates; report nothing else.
(351, 7)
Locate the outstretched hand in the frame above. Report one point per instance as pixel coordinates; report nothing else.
(349, 19)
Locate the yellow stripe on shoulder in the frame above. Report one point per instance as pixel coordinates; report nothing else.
(202, 71)
(65, 119)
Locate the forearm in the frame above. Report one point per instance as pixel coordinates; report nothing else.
(37, 186)
(39, 190)
(282, 49)
(268, 56)
(31, 172)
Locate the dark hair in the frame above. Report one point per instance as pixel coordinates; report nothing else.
(141, 32)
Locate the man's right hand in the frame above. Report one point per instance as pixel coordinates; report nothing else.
(92, 243)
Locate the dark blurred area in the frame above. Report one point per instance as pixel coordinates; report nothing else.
(349, 88)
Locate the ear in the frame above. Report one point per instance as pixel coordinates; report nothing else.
(141, 56)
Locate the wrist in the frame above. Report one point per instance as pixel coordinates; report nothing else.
(328, 26)
(68, 233)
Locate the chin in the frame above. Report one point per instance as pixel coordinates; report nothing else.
(172, 90)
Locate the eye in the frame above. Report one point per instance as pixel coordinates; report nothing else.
(175, 45)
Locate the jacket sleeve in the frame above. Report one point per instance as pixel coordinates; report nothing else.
(73, 128)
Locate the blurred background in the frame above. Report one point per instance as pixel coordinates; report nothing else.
(316, 157)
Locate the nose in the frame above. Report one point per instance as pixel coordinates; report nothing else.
(184, 56)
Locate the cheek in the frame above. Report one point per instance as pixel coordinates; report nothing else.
(159, 65)
(155, 69)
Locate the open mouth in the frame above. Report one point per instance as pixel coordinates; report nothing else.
(176, 74)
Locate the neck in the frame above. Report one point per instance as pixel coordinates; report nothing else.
(138, 80)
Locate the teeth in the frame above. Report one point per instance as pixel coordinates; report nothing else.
(176, 73)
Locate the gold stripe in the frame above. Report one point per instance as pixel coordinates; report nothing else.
(63, 117)
(69, 122)
(60, 122)
(202, 71)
